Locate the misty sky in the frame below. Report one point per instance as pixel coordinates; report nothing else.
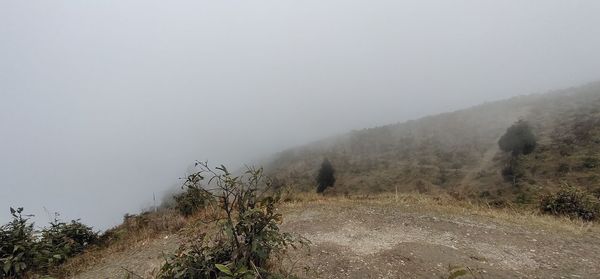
(103, 103)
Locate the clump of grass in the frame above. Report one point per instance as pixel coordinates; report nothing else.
(134, 230)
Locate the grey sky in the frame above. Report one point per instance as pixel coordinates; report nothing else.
(103, 103)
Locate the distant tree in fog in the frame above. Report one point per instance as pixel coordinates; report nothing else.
(326, 176)
(518, 139)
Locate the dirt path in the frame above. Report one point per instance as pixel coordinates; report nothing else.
(484, 164)
(143, 260)
(374, 241)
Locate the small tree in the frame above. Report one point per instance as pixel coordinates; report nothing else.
(247, 238)
(518, 139)
(326, 176)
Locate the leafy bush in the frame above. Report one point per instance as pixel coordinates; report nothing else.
(63, 240)
(18, 246)
(23, 250)
(194, 197)
(248, 233)
(573, 202)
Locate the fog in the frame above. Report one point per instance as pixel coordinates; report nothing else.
(105, 103)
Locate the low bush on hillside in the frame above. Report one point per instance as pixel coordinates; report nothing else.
(61, 241)
(194, 197)
(248, 235)
(18, 246)
(573, 202)
(23, 250)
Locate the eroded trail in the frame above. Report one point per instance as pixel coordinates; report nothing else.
(371, 240)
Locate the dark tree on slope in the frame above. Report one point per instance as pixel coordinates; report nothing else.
(518, 139)
(326, 176)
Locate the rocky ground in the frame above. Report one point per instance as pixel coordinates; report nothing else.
(375, 240)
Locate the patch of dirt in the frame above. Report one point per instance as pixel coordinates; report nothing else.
(377, 241)
(365, 239)
(141, 261)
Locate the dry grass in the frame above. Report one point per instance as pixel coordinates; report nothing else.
(134, 231)
(443, 204)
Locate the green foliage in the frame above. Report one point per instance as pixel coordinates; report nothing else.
(518, 139)
(326, 176)
(61, 241)
(573, 202)
(194, 197)
(18, 246)
(23, 250)
(248, 231)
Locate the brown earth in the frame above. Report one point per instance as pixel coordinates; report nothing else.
(142, 260)
(407, 238)
(400, 240)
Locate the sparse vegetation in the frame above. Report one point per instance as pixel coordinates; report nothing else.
(248, 234)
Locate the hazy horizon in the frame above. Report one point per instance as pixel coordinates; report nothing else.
(104, 104)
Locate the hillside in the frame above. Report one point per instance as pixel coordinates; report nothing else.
(371, 233)
(458, 152)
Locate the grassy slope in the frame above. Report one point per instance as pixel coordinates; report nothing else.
(457, 151)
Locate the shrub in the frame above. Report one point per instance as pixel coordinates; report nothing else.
(18, 246)
(194, 197)
(23, 251)
(63, 240)
(248, 232)
(573, 202)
